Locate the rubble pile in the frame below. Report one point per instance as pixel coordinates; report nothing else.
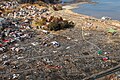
(28, 12)
(41, 54)
(51, 56)
(13, 31)
(9, 5)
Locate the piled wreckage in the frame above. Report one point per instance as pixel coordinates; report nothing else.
(28, 51)
(12, 31)
(9, 5)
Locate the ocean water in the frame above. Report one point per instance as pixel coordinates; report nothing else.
(110, 8)
(67, 0)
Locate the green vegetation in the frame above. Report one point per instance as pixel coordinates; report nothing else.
(112, 31)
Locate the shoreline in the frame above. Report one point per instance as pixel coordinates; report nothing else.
(105, 24)
(70, 7)
(76, 5)
(73, 6)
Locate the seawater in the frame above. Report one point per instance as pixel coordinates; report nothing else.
(110, 8)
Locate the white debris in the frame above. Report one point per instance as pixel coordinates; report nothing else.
(34, 43)
(20, 57)
(68, 38)
(68, 47)
(47, 60)
(105, 52)
(87, 34)
(46, 32)
(5, 56)
(14, 76)
(55, 43)
(16, 44)
(1, 49)
(76, 40)
(105, 18)
(54, 51)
